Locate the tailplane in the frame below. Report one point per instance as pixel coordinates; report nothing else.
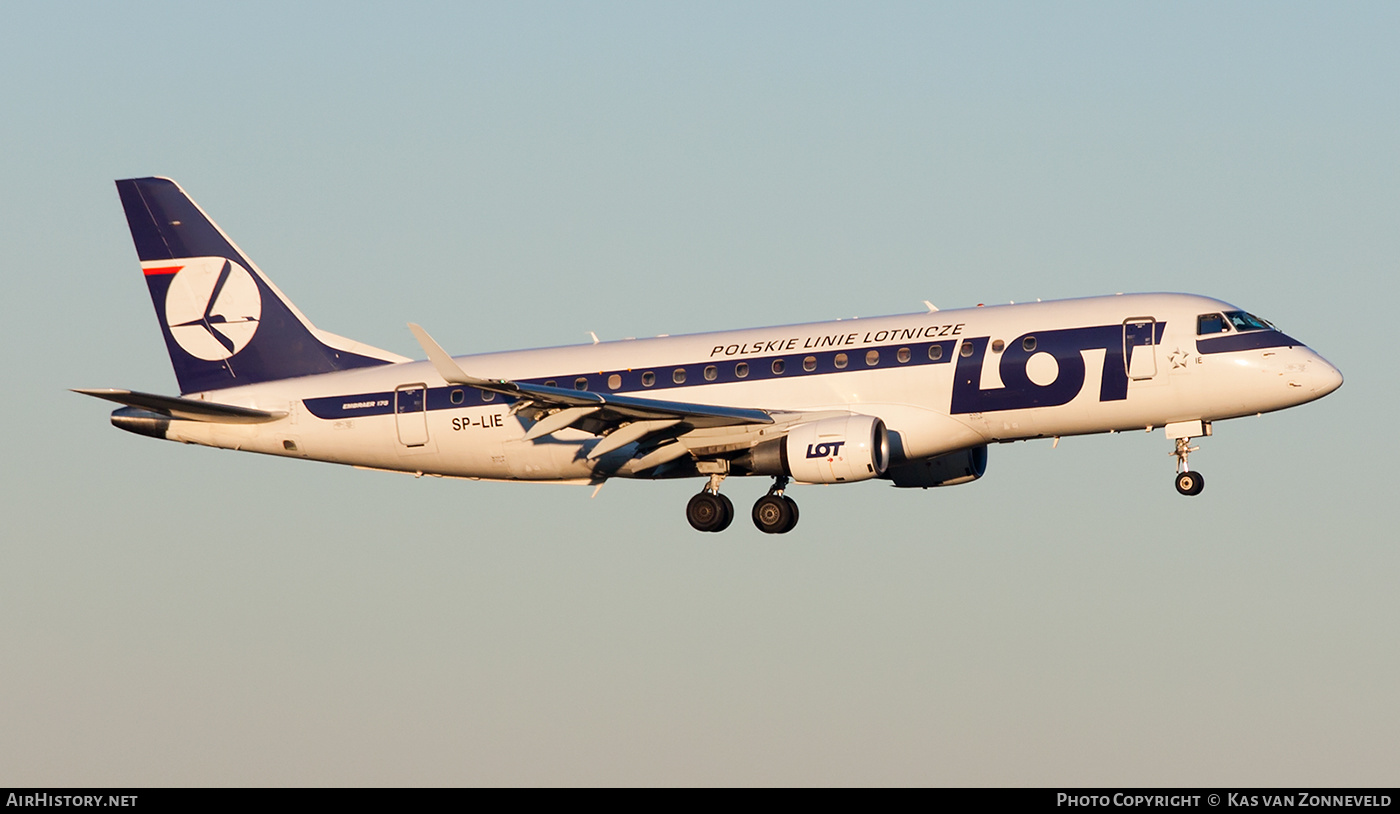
(225, 323)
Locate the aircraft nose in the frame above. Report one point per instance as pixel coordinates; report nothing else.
(1325, 377)
(1307, 375)
(1311, 376)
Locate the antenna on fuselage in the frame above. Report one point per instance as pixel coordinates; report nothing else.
(931, 307)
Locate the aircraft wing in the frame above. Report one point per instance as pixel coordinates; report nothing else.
(621, 420)
(697, 415)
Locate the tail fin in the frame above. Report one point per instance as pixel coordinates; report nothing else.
(225, 323)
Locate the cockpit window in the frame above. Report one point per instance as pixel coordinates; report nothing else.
(1210, 324)
(1248, 322)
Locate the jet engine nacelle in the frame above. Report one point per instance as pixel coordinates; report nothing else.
(963, 466)
(832, 450)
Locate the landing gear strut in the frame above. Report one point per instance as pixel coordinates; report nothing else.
(710, 510)
(1187, 482)
(775, 512)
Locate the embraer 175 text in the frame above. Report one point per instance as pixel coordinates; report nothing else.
(912, 399)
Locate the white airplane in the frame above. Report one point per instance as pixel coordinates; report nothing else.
(912, 399)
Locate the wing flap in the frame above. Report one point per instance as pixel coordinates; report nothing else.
(627, 433)
(555, 422)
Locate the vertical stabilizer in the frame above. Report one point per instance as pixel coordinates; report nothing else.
(225, 323)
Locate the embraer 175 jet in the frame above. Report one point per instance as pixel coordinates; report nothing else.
(914, 400)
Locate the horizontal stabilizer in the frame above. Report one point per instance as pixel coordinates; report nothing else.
(186, 409)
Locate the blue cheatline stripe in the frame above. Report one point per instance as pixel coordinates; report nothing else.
(1249, 340)
(630, 381)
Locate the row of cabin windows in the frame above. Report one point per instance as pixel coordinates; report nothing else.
(457, 396)
(741, 369)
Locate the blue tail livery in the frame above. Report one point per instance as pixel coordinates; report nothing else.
(225, 323)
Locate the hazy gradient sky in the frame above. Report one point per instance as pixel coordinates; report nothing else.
(515, 175)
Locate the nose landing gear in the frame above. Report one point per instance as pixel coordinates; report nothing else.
(1187, 482)
(1190, 483)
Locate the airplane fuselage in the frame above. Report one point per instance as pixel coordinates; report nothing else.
(914, 399)
(941, 382)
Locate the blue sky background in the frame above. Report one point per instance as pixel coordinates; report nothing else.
(517, 175)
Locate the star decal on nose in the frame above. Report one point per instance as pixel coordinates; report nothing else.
(1178, 358)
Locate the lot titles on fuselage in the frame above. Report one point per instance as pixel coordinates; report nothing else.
(839, 340)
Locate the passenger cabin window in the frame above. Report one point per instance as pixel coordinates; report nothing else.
(741, 370)
(841, 361)
(778, 366)
(458, 397)
(678, 376)
(581, 383)
(809, 364)
(1028, 344)
(903, 355)
(935, 352)
(1210, 324)
(711, 373)
(614, 381)
(872, 357)
(966, 349)
(487, 395)
(648, 379)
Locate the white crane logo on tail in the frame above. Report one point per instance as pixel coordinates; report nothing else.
(212, 307)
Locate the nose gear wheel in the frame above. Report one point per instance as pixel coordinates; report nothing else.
(1187, 482)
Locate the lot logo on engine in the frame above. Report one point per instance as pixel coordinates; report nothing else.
(825, 449)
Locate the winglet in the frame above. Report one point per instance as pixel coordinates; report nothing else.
(447, 368)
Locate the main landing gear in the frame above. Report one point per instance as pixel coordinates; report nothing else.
(774, 513)
(710, 510)
(1187, 482)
